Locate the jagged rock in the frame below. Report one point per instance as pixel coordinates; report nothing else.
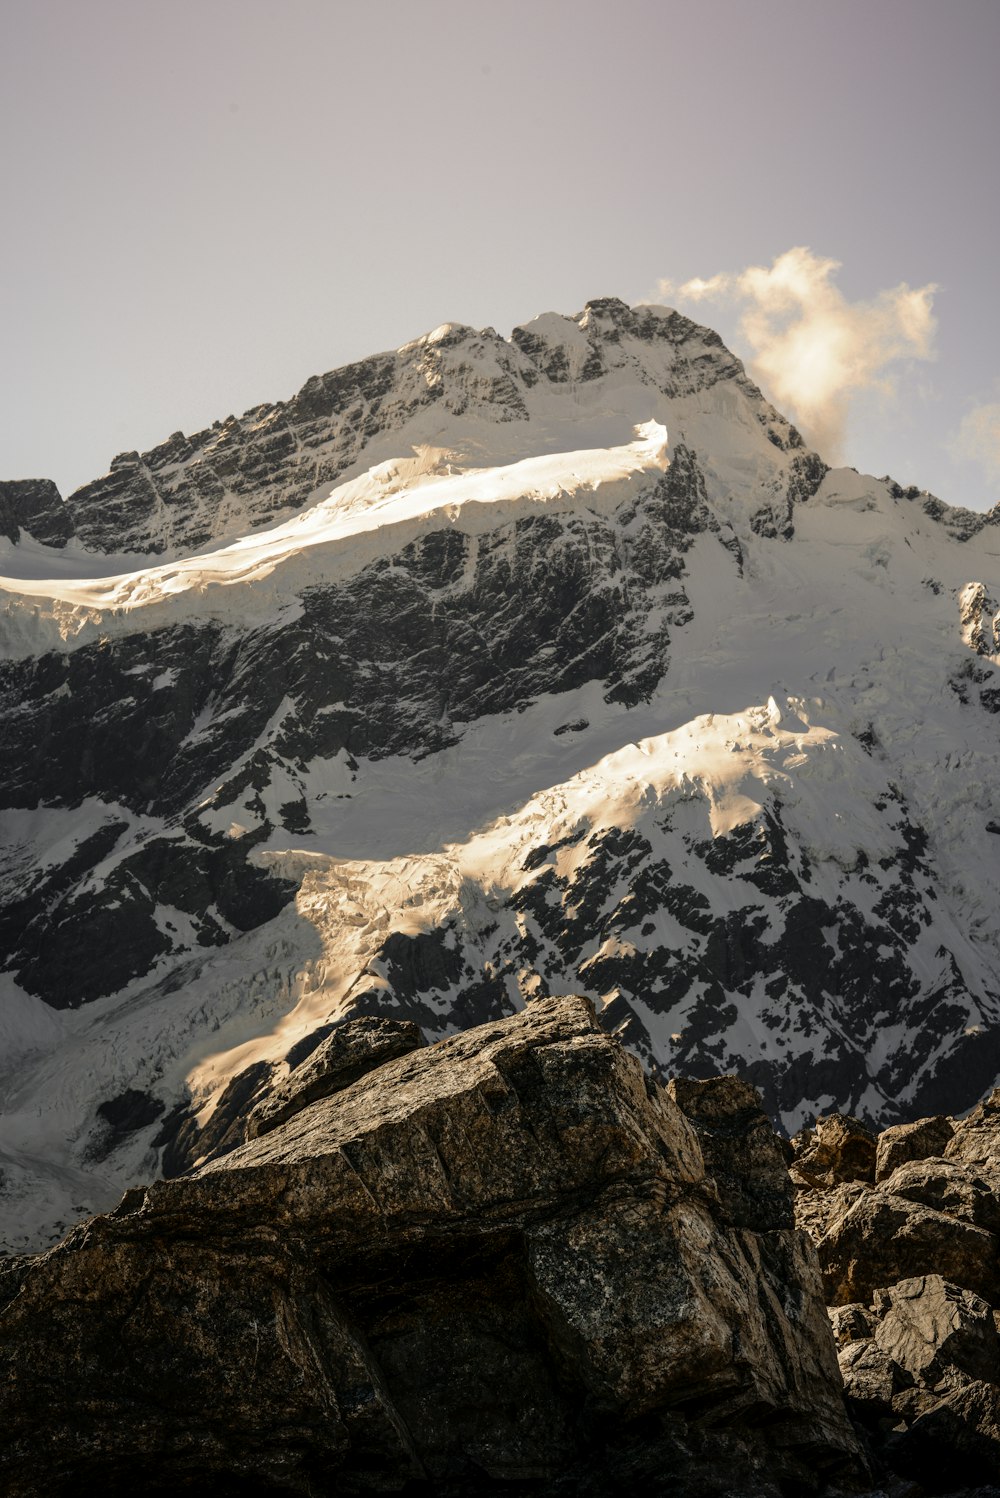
(352, 1049)
(248, 471)
(872, 1379)
(36, 506)
(122, 1116)
(883, 1238)
(838, 1148)
(186, 1141)
(911, 1141)
(817, 1208)
(976, 1141)
(495, 1261)
(955, 1445)
(980, 619)
(850, 1323)
(948, 1187)
(931, 1328)
(740, 1149)
(914, 1335)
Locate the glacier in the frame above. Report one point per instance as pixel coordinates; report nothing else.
(484, 670)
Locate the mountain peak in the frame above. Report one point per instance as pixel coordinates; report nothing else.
(450, 388)
(481, 670)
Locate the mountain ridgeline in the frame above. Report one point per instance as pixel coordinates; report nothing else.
(479, 672)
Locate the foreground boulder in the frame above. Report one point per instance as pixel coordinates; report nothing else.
(921, 1372)
(497, 1260)
(911, 1141)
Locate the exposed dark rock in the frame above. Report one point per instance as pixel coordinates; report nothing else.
(740, 1150)
(123, 1115)
(186, 1142)
(36, 506)
(497, 1261)
(911, 1141)
(954, 1446)
(837, 1149)
(352, 1048)
(871, 1378)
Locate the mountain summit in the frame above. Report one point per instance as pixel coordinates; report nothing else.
(480, 671)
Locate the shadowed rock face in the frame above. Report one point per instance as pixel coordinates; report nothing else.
(410, 650)
(500, 1259)
(34, 505)
(911, 1266)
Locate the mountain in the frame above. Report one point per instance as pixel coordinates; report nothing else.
(480, 671)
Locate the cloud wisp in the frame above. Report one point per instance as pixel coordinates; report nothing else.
(812, 350)
(978, 440)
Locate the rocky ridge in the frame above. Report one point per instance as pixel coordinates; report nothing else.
(513, 1262)
(509, 1262)
(520, 705)
(246, 472)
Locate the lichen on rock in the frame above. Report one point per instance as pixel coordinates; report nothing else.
(499, 1259)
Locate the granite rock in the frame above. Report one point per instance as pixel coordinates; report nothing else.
(931, 1328)
(497, 1260)
(911, 1141)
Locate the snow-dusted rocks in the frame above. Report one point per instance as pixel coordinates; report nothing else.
(34, 506)
(472, 391)
(484, 670)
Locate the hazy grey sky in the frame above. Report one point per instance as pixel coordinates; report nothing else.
(207, 202)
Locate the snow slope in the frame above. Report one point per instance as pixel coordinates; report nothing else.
(532, 698)
(388, 507)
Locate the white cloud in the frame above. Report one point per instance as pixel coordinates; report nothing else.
(811, 349)
(978, 440)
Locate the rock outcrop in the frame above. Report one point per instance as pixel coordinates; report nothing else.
(245, 472)
(510, 1261)
(911, 1265)
(35, 506)
(344, 1056)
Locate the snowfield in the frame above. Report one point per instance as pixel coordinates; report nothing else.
(685, 722)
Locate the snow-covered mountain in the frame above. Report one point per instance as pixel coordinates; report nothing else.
(481, 670)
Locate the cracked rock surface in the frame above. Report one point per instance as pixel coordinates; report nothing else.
(911, 1266)
(508, 1258)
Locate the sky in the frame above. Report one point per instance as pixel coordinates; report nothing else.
(208, 201)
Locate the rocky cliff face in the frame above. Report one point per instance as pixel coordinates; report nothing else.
(243, 473)
(34, 506)
(509, 1262)
(520, 666)
(513, 1262)
(906, 1226)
